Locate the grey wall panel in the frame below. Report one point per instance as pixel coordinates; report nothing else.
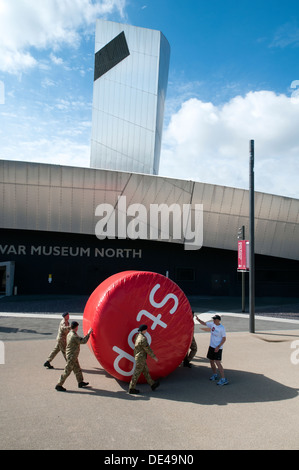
(54, 204)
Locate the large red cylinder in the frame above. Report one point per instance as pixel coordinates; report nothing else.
(124, 301)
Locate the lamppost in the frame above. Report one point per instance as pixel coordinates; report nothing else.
(251, 241)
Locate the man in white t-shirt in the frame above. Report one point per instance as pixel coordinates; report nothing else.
(217, 340)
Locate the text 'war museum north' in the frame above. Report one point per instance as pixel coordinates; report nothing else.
(63, 230)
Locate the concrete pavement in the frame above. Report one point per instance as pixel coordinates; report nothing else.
(258, 409)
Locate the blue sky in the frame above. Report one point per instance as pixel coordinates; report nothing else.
(232, 78)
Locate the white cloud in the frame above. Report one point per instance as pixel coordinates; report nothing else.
(286, 35)
(56, 60)
(31, 24)
(46, 83)
(209, 143)
(64, 150)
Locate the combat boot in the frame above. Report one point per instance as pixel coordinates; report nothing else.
(187, 363)
(155, 385)
(83, 384)
(48, 365)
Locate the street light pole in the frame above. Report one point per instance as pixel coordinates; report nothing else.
(241, 236)
(251, 241)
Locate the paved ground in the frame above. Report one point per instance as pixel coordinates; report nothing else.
(257, 410)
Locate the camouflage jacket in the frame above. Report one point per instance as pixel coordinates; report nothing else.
(73, 344)
(63, 330)
(142, 348)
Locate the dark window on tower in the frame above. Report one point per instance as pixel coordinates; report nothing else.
(111, 55)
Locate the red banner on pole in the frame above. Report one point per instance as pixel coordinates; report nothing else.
(243, 255)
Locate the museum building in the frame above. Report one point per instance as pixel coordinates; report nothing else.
(63, 230)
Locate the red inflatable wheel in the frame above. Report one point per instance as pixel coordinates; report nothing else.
(123, 302)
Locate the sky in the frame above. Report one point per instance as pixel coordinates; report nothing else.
(233, 77)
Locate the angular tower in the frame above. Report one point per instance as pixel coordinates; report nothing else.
(130, 82)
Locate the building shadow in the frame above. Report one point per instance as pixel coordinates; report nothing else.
(8, 330)
(193, 386)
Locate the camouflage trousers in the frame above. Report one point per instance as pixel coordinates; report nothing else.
(72, 365)
(140, 368)
(59, 347)
(193, 350)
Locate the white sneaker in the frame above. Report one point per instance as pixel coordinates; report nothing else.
(222, 382)
(214, 377)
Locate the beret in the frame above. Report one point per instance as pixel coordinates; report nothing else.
(142, 328)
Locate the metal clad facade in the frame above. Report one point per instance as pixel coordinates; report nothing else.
(128, 97)
(54, 198)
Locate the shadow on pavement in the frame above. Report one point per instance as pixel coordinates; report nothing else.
(193, 386)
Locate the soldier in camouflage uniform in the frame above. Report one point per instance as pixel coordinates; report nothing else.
(141, 350)
(72, 352)
(192, 352)
(63, 330)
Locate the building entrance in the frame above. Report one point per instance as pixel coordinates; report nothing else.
(7, 274)
(2, 280)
